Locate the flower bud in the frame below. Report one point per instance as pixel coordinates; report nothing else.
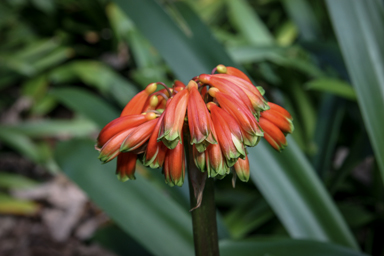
(242, 169)
(126, 165)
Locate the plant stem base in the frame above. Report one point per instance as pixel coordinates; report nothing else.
(204, 220)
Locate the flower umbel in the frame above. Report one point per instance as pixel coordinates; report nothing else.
(216, 115)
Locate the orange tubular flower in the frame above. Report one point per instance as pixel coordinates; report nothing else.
(126, 165)
(249, 126)
(242, 169)
(224, 112)
(228, 88)
(136, 104)
(155, 154)
(232, 71)
(120, 124)
(199, 158)
(179, 86)
(199, 120)
(279, 117)
(228, 134)
(215, 161)
(114, 133)
(174, 166)
(254, 95)
(138, 136)
(276, 122)
(111, 149)
(204, 92)
(172, 125)
(151, 103)
(273, 135)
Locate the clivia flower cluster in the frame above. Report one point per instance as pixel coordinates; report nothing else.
(219, 115)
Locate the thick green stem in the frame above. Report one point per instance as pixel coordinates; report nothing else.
(204, 217)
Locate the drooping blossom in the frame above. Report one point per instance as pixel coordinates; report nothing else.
(276, 123)
(199, 120)
(172, 124)
(242, 169)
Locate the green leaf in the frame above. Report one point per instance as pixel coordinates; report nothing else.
(334, 86)
(305, 108)
(145, 76)
(302, 14)
(29, 64)
(358, 27)
(283, 247)
(188, 55)
(55, 128)
(286, 34)
(360, 149)
(47, 6)
(120, 23)
(38, 49)
(149, 64)
(285, 57)
(8, 79)
(55, 57)
(116, 240)
(100, 76)
(227, 38)
(209, 11)
(87, 104)
(294, 191)
(35, 87)
(328, 127)
(248, 216)
(10, 205)
(44, 105)
(20, 142)
(302, 196)
(15, 181)
(246, 54)
(248, 23)
(139, 208)
(356, 216)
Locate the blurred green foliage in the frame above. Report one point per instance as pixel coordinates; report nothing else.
(68, 67)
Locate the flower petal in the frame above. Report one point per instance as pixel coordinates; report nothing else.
(281, 110)
(179, 86)
(111, 148)
(172, 125)
(155, 153)
(228, 133)
(249, 126)
(229, 88)
(232, 71)
(199, 158)
(284, 124)
(138, 136)
(254, 95)
(273, 135)
(174, 166)
(126, 166)
(242, 169)
(118, 125)
(136, 104)
(199, 120)
(215, 161)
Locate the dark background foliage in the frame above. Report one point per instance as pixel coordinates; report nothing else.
(68, 67)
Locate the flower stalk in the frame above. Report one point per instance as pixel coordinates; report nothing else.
(204, 216)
